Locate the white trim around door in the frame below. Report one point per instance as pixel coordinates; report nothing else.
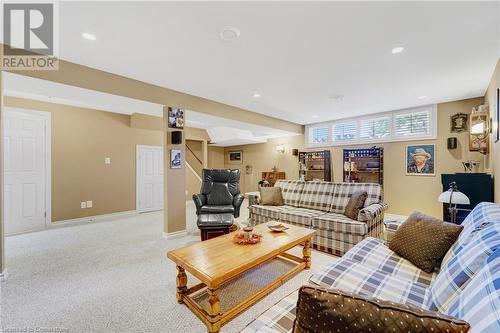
(149, 178)
(47, 158)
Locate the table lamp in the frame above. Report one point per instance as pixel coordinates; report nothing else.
(453, 197)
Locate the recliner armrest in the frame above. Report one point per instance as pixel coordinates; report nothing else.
(237, 201)
(199, 200)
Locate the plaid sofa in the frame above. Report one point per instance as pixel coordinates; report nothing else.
(321, 205)
(467, 286)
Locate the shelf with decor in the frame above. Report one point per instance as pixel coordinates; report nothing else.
(365, 165)
(315, 165)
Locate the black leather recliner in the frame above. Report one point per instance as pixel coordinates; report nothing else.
(220, 192)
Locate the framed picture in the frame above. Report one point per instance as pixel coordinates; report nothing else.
(497, 116)
(175, 118)
(175, 158)
(235, 157)
(459, 122)
(420, 160)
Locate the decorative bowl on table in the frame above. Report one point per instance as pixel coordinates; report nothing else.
(276, 226)
(242, 237)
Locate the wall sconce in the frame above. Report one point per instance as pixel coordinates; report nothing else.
(280, 149)
(479, 137)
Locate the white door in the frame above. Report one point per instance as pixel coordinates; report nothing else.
(149, 178)
(26, 170)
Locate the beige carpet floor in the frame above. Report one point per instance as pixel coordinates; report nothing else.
(108, 277)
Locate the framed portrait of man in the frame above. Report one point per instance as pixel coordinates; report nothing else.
(421, 160)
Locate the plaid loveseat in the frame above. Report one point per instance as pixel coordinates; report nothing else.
(321, 205)
(466, 287)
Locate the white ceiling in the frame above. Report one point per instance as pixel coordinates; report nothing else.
(297, 55)
(223, 132)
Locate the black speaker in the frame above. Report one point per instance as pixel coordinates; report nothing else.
(452, 143)
(176, 137)
(295, 152)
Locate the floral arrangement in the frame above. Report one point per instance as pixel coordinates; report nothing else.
(243, 237)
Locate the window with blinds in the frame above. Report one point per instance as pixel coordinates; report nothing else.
(419, 123)
(319, 135)
(414, 123)
(344, 131)
(375, 128)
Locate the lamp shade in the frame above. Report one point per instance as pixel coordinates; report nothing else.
(454, 197)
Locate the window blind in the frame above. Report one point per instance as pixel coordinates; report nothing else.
(375, 128)
(407, 124)
(319, 135)
(344, 132)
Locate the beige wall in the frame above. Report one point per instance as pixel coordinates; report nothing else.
(490, 98)
(81, 139)
(403, 193)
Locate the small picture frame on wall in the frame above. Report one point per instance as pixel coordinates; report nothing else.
(175, 118)
(175, 158)
(459, 122)
(420, 160)
(235, 157)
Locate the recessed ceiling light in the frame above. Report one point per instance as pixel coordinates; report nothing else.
(397, 50)
(88, 36)
(422, 97)
(315, 116)
(229, 33)
(256, 95)
(338, 98)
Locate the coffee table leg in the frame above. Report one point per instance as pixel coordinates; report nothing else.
(306, 253)
(181, 283)
(214, 310)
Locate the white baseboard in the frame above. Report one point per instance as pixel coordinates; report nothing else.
(175, 234)
(3, 275)
(92, 219)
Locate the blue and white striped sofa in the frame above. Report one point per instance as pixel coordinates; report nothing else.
(321, 205)
(467, 285)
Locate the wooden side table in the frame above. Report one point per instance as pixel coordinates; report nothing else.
(273, 176)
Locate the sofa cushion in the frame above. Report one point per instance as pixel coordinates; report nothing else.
(271, 196)
(291, 191)
(373, 253)
(278, 318)
(461, 268)
(482, 215)
(320, 311)
(270, 211)
(424, 240)
(343, 191)
(300, 216)
(479, 302)
(339, 223)
(355, 204)
(317, 195)
(352, 276)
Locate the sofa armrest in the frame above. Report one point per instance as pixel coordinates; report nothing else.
(199, 201)
(373, 216)
(237, 201)
(319, 308)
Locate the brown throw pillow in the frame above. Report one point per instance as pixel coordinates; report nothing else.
(321, 311)
(271, 196)
(424, 240)
(355, 204)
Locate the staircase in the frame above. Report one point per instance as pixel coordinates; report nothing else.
(194, 167)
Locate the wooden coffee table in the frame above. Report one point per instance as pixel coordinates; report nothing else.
(218, 263)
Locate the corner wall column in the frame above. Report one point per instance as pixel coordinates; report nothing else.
(2, 243)
(174, 183)
(205, 153)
